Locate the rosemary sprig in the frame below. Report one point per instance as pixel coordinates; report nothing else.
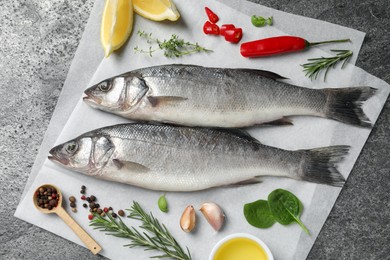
(315, 66)
(157, 236)
(174, 47)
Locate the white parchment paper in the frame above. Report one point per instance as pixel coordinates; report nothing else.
(285, 242)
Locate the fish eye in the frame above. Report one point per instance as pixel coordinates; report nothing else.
(71, 147)
(104, 86)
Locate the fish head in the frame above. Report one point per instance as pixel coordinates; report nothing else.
(72, 154)
(105, 94)
(85, 154)
(118, 94)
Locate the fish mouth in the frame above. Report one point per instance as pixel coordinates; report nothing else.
(54, 158)
(90, 99)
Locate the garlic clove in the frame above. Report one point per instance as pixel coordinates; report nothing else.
(187, 220)
(214, 214)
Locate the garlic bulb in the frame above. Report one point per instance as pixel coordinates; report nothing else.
(214, 214)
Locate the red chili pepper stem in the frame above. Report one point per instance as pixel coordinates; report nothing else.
(309, 44)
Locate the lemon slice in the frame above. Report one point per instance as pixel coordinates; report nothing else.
(156, 10)
(117, 24)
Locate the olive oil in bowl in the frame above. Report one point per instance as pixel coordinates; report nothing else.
(241, 246)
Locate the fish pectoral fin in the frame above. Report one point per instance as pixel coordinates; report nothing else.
(282, 121)
(254, 180)
(161, 100)
(132, 166)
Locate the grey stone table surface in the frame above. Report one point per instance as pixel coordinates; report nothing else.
(38, 39)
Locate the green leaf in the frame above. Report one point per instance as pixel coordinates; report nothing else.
(258, 214)
(285, 207)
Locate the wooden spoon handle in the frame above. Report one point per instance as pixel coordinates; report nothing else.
(80, 232)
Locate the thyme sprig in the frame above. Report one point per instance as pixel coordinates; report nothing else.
(316, 65)
(174, 47)
(156, 238)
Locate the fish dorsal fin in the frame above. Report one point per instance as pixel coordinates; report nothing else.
(264, 73)
(161, 100)
(239, 133)
(131, 166)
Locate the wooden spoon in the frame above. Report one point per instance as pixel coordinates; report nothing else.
(59, 210)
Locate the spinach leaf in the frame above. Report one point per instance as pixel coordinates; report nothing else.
(286, 208)
(258, 214)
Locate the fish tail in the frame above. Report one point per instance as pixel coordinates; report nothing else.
(345, 104)
(319, 165)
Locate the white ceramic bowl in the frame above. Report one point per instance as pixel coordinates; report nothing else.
(243, 235)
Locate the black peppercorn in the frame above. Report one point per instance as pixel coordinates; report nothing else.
(121, 213)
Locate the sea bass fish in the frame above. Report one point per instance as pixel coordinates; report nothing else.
(178, 158)
(219, 97)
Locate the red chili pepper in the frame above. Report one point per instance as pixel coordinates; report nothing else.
(209, 28)
(233, 35)
(278, 45)
(225, 27)
(212, 16)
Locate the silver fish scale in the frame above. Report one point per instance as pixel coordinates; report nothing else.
(225, 95)
(237, 82)
(193, 157)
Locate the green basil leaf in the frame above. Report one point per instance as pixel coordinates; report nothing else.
(258, 214)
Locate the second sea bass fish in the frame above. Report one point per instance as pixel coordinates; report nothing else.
(218, 97)
(177, 158)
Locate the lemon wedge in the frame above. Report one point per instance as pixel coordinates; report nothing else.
(156, 10)
(117, 23)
